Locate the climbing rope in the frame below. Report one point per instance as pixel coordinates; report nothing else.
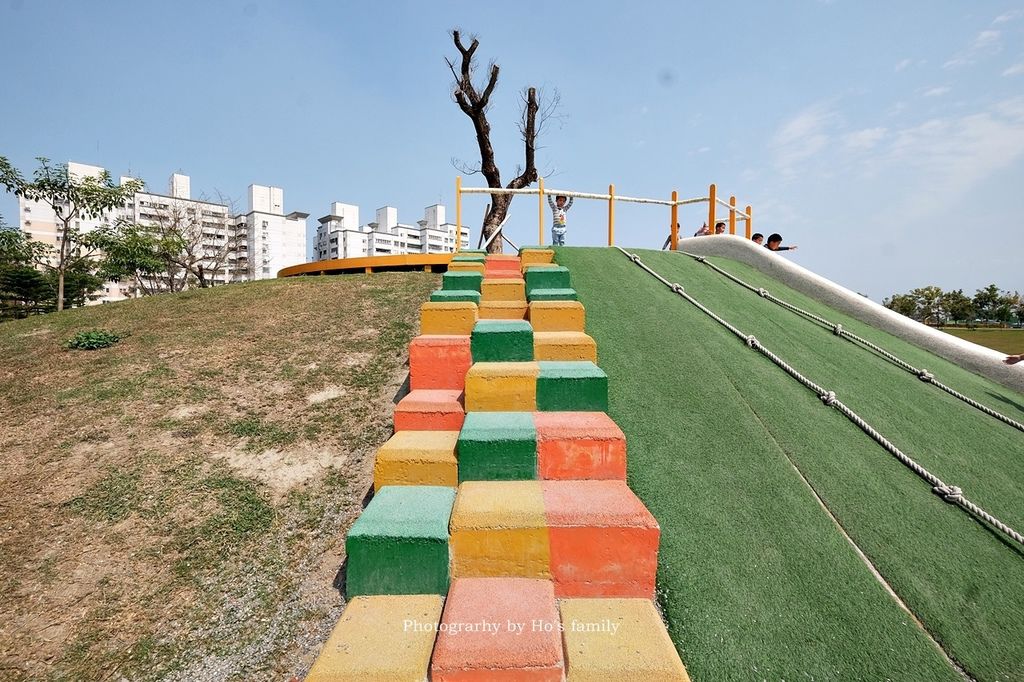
(837, 329)
(950, 493)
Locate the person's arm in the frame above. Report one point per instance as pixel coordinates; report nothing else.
(551, 202)
(1014, 359)
(568, 203)
(786, 248)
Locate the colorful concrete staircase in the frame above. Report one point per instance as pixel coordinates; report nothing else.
(502, 542)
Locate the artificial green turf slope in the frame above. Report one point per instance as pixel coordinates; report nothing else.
(757, 582)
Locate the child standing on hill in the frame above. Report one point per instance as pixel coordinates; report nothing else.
(559, 207)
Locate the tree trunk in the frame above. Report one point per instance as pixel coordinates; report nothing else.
(62, 258)
(494, 217)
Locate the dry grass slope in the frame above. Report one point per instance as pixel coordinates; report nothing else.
(174, 506)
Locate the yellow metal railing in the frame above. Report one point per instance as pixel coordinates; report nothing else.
(673, 203)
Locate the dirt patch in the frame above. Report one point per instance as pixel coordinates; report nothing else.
(283, 470)
(329, 393)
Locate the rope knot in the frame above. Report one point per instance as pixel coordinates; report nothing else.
(752, 341)
(635, 258)
(837, 330)
(677, 287)
(701, 259)
(925, 375)
(828, 398)
(950, 493)
(762, 292)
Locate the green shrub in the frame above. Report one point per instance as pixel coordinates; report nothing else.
(93, 339)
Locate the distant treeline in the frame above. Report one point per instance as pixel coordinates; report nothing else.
(931, 305)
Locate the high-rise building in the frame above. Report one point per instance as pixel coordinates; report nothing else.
(275, 240)
(229, 248)
(340, 235)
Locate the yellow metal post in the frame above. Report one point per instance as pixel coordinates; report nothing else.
(713, 198)
(732, 215)
(674, 244)
(750, 221)
(458, 212)
(540, 213)
(611, 215)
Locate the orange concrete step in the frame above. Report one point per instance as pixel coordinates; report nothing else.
(499, 630)
(439, 361)
(429, 409)
(492, 273)
(603, 541)
(579, 445)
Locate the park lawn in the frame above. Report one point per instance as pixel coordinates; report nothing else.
(1009, 341)
(175, 506)
(754, 578)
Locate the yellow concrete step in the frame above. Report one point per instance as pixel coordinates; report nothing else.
(564, 346)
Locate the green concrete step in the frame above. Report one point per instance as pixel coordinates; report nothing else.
(502, 341)
(461, 280)
(556, 277)
(551, 294)
(571, 386)
(462, 257)
(497, 446)
(399, 544)
(448, 296)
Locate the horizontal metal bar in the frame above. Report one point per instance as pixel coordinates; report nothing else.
(583, 195)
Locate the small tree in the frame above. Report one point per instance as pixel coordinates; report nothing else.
(958, 306)
(134, 252)
(985, 301)
(1005, 306)
(904, 304)
(71, 198)
(24, 290)
(929, 304)
(474, 102)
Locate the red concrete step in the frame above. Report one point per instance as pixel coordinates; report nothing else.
(492, 273)
(603, 541)
(527, 643)
(430, 410)
(579, 445)
(439, 361)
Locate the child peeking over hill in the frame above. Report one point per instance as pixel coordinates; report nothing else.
(559, 207)
(775, 243)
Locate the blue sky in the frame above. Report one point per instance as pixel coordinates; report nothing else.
(886, 139)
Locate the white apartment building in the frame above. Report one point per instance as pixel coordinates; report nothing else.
(238, 248)
(274, 240)
(340, 235)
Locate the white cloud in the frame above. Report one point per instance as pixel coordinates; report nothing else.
(902, 65)
(801, 137)
(986, 43)
(1008, 16)
(937, 92)
(1015, 70)
(865, 139)
(948, 157)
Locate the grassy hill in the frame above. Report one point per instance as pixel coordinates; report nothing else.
(757, 485)
(174, 506)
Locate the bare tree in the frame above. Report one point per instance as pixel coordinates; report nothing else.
(474, 102)
(196, 243)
